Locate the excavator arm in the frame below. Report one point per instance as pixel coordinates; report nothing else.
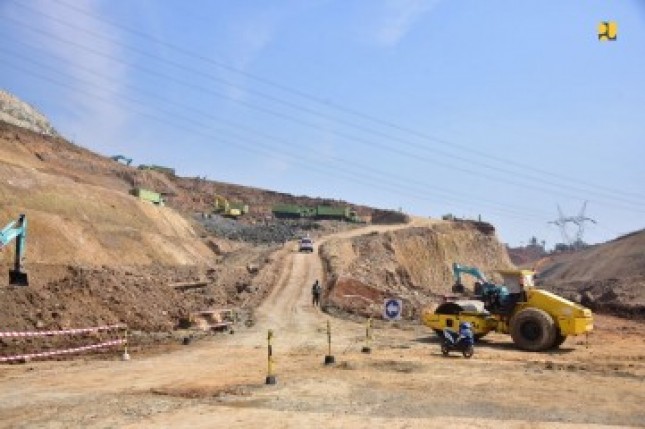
(493, 295)
(458, 270)
(16, 230)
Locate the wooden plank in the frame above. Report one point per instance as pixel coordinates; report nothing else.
(221, 325)
(188, 285)
(223, 310)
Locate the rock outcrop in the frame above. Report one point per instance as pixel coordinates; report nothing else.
(21, 114)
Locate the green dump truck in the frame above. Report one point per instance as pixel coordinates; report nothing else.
(294, 211)
(148, 195)
(287, 211)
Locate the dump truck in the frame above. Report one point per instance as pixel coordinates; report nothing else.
(339, 213)
(148, 195)
(329, 212)
(536, 319)
(295, 211)
(289, 211)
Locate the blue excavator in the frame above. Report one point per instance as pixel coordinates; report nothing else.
(117, 158)
(490, 293)
(16, 230)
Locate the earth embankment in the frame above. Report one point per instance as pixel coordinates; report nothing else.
(412, 263)
(608, 277)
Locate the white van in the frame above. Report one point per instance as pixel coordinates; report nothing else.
(306, 244)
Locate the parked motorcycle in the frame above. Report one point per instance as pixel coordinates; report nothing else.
(462, 341)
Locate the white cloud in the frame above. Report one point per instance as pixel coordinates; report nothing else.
(398, 17)
(93, 122)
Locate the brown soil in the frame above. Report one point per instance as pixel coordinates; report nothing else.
(609, 277)
(404, 382)
(411, 263)
(97, 255)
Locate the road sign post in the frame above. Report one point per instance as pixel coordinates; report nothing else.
(392, 309)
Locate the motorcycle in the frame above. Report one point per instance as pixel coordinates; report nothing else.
(452, 341)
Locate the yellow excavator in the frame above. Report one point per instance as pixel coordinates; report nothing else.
(536, 319)
(233, 210)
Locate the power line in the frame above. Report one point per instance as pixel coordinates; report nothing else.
(355, 178)
(368, 143)
(326, 103)
(237, 126)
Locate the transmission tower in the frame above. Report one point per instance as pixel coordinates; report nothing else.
(578, 221)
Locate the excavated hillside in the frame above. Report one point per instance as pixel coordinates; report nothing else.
(412, 264)
(96, 254)
(608, 277)
(78, 218)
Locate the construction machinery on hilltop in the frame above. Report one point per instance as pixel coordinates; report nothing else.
(294, 211)
(161, 169)
(16, 230)
(536, 319)
(225, 208)
(148, 195)
(117, 158)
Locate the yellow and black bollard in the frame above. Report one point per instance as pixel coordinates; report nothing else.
(329, 359)
(125, 355)
(368, 336)
(270, 376)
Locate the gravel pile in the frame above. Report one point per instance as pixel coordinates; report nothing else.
(269, 232)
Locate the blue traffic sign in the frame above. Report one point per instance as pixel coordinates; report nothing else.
(392, 309)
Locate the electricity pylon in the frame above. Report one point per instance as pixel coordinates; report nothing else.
(579, 221)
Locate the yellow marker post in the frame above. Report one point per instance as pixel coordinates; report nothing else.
(270, 376)
(368, 336)
(125, 355)
(329, 359)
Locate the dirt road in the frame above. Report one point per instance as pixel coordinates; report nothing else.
(403, 383)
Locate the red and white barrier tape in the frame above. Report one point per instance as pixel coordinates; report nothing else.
(61, 332)
(62, 352)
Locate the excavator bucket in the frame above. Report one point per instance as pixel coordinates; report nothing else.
(18, 278)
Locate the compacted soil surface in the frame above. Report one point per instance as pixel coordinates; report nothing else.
(404, 382)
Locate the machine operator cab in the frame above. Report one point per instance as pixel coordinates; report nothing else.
(517, 283)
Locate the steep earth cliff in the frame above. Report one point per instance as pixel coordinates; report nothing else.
(412, 264)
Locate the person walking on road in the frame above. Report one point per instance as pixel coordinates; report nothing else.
(315, 293)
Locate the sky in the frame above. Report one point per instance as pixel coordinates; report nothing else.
(493, 109)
